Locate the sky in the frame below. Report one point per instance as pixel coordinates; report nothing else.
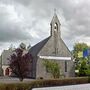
(28, 21)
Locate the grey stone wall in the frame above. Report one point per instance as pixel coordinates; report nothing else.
(49, 50)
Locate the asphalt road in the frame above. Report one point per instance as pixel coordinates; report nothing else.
(12, 80)
(71, 87)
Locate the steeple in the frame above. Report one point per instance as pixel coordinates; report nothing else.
(55, 25)
(55, 32)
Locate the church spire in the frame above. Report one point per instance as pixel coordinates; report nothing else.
(55, 25)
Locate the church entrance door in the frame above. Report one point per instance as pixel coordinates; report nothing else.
(7, 72)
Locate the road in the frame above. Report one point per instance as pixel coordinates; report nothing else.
(71, 87)
(12, 80)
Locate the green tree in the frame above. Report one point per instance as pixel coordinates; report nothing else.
(88, 69)
(52, 67)
(78, 47)
(80, 62)
(83, 70)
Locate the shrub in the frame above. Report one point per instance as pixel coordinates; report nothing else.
(52, 67)
(43, 83)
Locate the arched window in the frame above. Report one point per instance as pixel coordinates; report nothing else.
(55, 27)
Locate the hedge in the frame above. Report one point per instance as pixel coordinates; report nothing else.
(43, 83)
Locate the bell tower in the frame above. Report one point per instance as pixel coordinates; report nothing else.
(55, 26)
(55, 32)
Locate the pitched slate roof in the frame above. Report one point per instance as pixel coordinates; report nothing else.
(36, 48)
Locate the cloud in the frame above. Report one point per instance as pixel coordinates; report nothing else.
(29, 20)
(11, 24)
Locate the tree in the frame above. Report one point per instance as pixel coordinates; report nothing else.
(52, 67)
(20, 62)
(81, 63)
(78, 47)
(83, 68)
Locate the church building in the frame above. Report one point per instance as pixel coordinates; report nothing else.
(52, 48)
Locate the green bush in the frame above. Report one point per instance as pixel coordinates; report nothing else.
(52, 67)
(14, 86)
(43, 83)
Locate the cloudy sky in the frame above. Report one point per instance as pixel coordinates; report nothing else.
(28, 21)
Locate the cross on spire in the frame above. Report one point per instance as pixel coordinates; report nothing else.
(54, 10)
(55, 24)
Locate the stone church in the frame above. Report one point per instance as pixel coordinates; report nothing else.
(52, 48)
